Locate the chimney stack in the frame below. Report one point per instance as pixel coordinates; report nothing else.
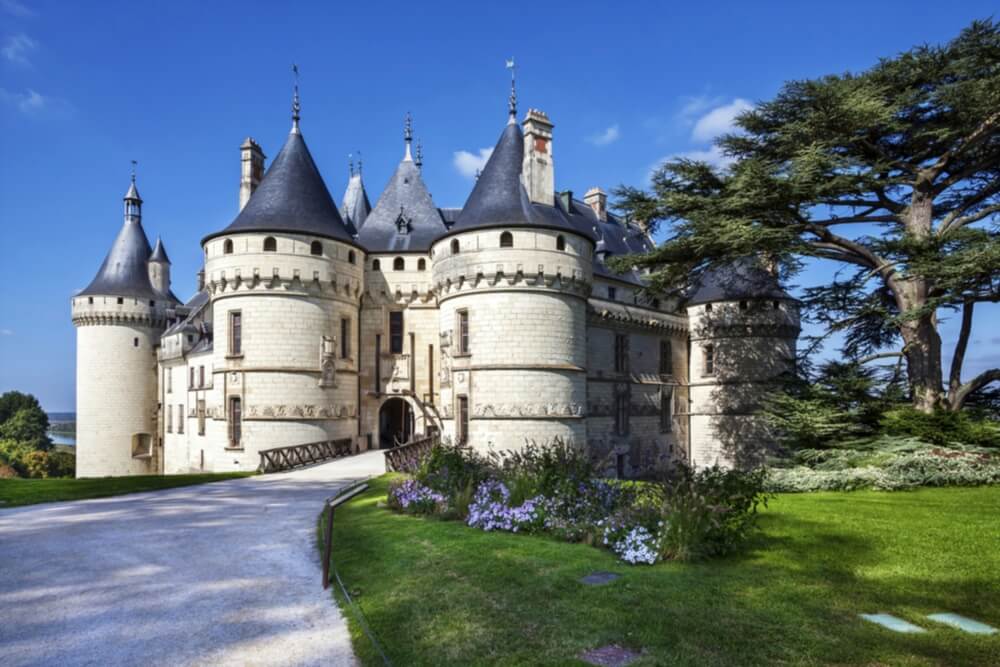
(251, 169)
(597, 199)
(538, 168)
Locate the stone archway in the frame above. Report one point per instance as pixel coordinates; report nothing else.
(395, 422)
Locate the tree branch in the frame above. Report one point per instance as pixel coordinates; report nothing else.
(972, 386)
(955, 223)
(880, 355)
(955, 376)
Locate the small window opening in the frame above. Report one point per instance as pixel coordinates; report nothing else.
(227, 247)
(398, 264)
(421, 264)
(270, 245)
(376, 265)
(315, 248)
(776, 304)
(708, 307)
(612, 294)
(455, 247)
(121, 301)
(90, 300)
(351, 257)
(135, 342)
(560, 242)
(506, 240)
(709, 353)
(744, 305)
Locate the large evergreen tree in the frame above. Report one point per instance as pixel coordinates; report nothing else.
(893, 173)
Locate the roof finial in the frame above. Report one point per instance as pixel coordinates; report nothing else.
(296, 107)
(513, 92)
(420, 154)
(350, 163)
(359, 163)
(134, 162)
(408, 136)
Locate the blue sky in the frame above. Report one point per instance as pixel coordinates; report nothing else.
(87, 87)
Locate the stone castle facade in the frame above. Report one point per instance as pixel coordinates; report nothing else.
(492, 324)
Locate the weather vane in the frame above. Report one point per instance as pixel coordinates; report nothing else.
(350, 163)
(513, 92)
(134, 163)
(296, 107)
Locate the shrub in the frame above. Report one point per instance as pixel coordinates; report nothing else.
(62, 464)
(36, 464)
(7, 472)
(710, 512)
(555, 468)
(941, 427)
(451, 469)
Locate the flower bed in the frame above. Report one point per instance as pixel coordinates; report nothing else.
(554, 489)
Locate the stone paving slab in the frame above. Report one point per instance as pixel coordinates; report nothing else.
(225, 573)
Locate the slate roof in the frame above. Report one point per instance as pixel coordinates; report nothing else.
(355, 207)
(742, 279)
(159, 253)
(291, 197)
(405, 218)
(499, 198)
(125, 271)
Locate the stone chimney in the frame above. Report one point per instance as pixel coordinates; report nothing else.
(597, 199)
(251, 169)
(538, 169)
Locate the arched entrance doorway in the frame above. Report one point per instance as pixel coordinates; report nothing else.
(395, 422)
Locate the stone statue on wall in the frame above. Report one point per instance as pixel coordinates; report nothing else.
(327, 362)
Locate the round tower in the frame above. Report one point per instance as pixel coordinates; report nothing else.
(512, 277)
(743, 332)
(285, 282)
(119, 318)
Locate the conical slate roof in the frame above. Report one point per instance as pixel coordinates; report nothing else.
(404, 218)
(355, 207)
(159, 252)
(742, 279)
(292, 198)
(124, 271)
(499, 198)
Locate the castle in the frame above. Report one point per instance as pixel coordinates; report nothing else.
(491, 324)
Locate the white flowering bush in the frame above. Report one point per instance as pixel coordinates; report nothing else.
(491, 510)
(634, 544)
(411, 496)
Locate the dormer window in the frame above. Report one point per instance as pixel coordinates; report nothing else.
(402, 223)
(270, 245)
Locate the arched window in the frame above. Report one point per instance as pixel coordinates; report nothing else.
(506, 240)
(454, 247)
(376, 265)
(315, 248)
(270, 245)
(227, 247)
(560, 242)
(421, 264)
(398, 264)
(351, 257)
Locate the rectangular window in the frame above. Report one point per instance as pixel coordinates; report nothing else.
(709, 360)
(345, 337)
(170, 418)
(463, 420)
(463, 332)
(621, 413)
(170, 380)
(180, 418)
(378, 364)
(612, 294)
(666, 409)
(396, 332)
(201, 417)
(235, 421)
(201, 376)
(235, 332)
(191, 384)
(666, 362)
(621, 353)
(430, 374)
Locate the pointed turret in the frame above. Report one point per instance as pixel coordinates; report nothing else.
(159, 271)
(404, 218)
(355, 207)
(159, 253)
(292, 196)
(124, 271)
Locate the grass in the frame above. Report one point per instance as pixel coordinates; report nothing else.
(440, 593)
(15, 492)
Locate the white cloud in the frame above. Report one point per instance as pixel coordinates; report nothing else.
(16, 49)
(27, 102)
(695, 105)
(468, 164)
(608, 136)
(719, 120)
(15, 8)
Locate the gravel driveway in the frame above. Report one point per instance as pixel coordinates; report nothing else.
(217, 574)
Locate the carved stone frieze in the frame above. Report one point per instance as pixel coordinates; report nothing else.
(514, 410)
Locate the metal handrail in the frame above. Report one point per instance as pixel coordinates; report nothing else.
(331, 505)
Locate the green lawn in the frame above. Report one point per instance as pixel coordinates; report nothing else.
(439, 593)
(14, 492)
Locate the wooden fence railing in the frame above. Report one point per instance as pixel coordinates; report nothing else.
(408, 457)
(294, 456)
